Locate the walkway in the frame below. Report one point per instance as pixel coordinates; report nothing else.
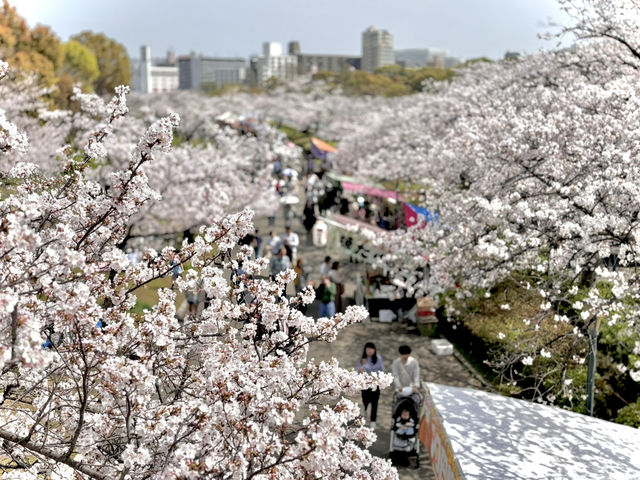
(387, 337)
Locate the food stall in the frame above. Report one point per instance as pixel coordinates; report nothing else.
(351, 237)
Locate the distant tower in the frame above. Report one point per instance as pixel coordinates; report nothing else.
(377, 49)
(145, 69)
(171, 57)
(294, 48)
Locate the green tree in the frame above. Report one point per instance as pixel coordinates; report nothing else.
(394, 72)
(14, 32)
(413, 78)
(45, 42)
(388, 81)
(417, 77)
(113, 62)
(471, 61)
(17, 46)
(30, 62)
(365, 83)
(80, 63)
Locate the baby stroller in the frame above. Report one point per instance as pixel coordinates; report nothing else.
(403, 441)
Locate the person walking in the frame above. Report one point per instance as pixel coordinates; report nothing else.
(291, 241)
(406, 374)
(279, 263)
(273, 245)
(176, 269)
(257, 243)
(277, 166)
(371, 362)
(309, 214)
(336, 276)
(326, 266)
(302, 278)
(326, 293)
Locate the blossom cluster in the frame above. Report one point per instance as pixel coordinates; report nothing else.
(532, 168)
(92, 389)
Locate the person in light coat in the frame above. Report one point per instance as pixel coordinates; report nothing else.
(406, 373)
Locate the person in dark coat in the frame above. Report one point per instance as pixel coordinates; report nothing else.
(309, 220)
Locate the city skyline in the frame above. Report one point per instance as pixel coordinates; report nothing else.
(464, 28)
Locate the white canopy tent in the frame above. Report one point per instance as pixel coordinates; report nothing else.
(475, 435)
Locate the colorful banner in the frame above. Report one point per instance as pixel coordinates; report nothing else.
(413, 215)
(434, 438)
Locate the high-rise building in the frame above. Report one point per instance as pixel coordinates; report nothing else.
(197, 72)
(377, 49)
(273, 64)
(294, 48)
(154, 75)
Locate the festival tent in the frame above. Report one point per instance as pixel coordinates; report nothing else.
(352, 224)
(321, 149)
(476, 435)
(350, 236)
(370, 190)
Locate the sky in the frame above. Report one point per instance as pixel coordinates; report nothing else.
(464, 28)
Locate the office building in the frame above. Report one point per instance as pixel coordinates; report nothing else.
(413, 57)
(154, 75)
(273, 64)
(425, 57)
(377, 49)
(312, 63)
(199, 72)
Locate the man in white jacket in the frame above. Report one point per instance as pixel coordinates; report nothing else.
(406, 372)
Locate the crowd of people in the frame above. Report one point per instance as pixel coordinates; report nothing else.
(282, 249)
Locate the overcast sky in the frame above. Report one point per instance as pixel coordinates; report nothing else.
(466, 28)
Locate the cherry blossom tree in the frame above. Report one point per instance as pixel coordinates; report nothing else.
(219, 172)
(531, 166)
(92, 390)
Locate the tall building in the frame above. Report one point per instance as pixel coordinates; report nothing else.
(154, 76)
(273, 64)
(377, 49)
(197, 72)
(294, 48)
(312, 63)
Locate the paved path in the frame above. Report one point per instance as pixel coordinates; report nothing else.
(387, 337)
